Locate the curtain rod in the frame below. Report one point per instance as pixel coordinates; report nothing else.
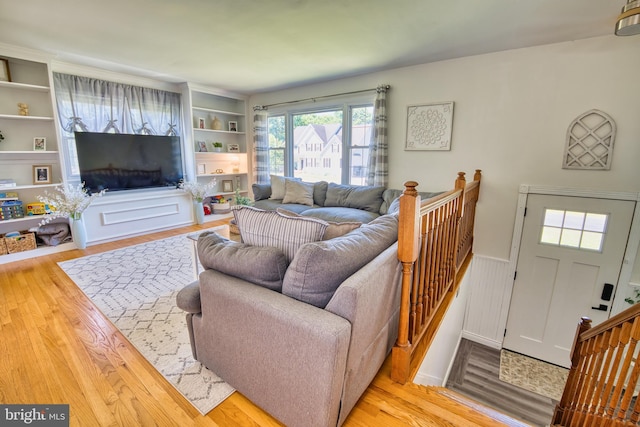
(264, 107)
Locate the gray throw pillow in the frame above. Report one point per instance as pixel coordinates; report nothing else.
(320, 267)
(353, 196)
(298, 192)
(264, 266)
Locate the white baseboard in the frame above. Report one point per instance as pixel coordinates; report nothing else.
(455, 353)
(482, 340)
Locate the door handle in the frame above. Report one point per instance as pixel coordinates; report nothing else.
(607, 291)
(601, 307)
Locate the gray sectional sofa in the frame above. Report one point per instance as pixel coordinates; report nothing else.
(330, 201)
(302, 338)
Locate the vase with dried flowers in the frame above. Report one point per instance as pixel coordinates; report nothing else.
(198, 193)
(70, 203)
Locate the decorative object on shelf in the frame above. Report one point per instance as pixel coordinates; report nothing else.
(227, 185)
(70, 203)
(200, 123)
(202, 168)
(42, 174)
(23, 109)
(220, 205)
(233, 126)
(39, 143)
(233, 148)
(1, 136)
(197, 190)
(429, 127)
(235, 164)
(241, 200)
(216, 124)
(219, 171)
(5, 73)
(590, 139)
(217, 146)
(202, 146)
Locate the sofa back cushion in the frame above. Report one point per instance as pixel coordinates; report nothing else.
(270, 228)
(367, 198)
(298, 192)
(264, 266)
(319, 268)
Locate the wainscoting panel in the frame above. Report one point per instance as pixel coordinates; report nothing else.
(130, 213)
(491, 282)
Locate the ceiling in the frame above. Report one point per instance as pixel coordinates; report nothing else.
(251, 46)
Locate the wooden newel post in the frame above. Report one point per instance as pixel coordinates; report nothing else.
(570, 386)
(408, 248)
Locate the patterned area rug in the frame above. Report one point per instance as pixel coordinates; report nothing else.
(532, 374)
(136, 287)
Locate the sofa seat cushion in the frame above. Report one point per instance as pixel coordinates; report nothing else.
(335, 229)
(337, 214)
(319, 268)
(264, 266)
(272, 205)
(367, 198)
(270, 228)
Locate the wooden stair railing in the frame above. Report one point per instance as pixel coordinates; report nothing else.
(435, 237)
(602, 385)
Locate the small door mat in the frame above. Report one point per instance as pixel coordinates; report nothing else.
(532, 374)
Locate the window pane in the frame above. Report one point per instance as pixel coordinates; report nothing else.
(276, 130)
(361, 125)
(592, 241)
(574, 220)
(314, 135)
(553, 218)
(550, 235)
(570, 238)
(595, 222)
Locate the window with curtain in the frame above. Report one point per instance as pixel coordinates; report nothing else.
(329, 144)
(91, 105)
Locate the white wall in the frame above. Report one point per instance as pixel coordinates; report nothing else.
(512, 111)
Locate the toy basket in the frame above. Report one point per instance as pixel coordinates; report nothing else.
(3, 247)
(24, 242)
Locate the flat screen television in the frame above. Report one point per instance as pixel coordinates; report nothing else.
(128, 162)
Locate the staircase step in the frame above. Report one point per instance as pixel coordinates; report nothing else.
(465, 406)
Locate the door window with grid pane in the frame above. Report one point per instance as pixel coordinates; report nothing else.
(580, 230)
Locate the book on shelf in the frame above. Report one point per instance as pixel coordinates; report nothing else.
(7, 183)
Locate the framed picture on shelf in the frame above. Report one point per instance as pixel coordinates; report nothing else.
(5, 74)
(39, 143)
(202, 168)
(202, 146)
(233, 126)
(200, 123)
(233, 148)
(42, 174)
(227, 186)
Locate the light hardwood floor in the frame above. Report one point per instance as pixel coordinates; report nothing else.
(56, 347)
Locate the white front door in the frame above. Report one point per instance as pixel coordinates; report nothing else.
(570, 257)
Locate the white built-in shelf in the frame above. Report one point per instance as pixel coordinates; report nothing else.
(211, 110)
(18, 117)
(39, 251)
(28, 154)
(7, 199)
(217, 153)
(24, 86)
(219, 131)
(213, 175)
(26, 187)
(25, 218)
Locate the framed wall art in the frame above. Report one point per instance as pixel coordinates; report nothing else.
(5, 74)
(227, 185)
(39, 143)
(42, 174)
(233, 148)
(429, 127)
(233, 126)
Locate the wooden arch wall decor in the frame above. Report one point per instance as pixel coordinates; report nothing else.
(590, 139)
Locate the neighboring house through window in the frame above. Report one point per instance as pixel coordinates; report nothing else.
(328, 143)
